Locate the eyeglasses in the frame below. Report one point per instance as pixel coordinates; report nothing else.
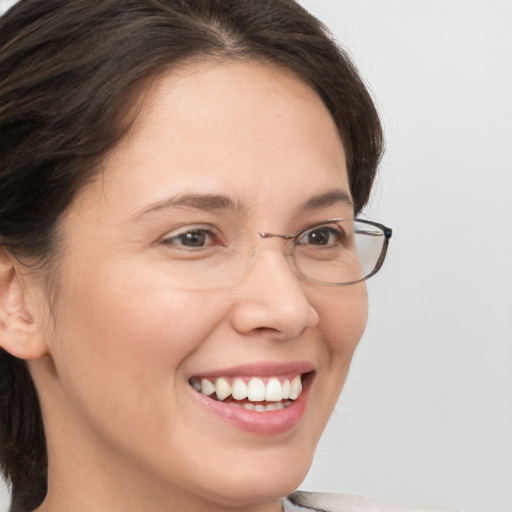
(336, 252)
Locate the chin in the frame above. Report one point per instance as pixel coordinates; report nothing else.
(251, 491)
(261, 479)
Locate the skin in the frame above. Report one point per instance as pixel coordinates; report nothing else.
(113, 361)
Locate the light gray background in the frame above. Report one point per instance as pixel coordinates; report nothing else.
(426, 415)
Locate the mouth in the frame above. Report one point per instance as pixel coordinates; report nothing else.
(261, 399)
(259, 394)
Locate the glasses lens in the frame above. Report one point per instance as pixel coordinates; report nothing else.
(340, 252)
(370, 240)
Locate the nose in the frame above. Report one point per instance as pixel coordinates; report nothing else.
(272, 299)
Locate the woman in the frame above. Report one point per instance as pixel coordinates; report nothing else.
(181, 278)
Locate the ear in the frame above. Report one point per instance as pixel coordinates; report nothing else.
(21, 332)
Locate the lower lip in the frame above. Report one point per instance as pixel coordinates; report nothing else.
(263, 423)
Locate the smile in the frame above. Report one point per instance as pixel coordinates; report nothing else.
(260, 394)
(260, 398)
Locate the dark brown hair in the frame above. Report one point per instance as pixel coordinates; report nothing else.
(69, 70)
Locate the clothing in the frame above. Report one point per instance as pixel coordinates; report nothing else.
(325, 502)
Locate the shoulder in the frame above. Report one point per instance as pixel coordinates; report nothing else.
(301, 501)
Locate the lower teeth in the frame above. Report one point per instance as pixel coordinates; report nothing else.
(264, 408)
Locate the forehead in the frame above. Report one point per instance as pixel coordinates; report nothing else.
(254, 130)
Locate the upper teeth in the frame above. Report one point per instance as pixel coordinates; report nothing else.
(255, 390)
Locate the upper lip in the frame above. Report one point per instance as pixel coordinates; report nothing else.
(260, 369)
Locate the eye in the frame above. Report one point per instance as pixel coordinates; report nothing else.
(193, 238)
(322, 236)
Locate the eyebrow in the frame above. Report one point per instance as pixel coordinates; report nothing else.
(216, 202)
(325, 199)
(208, 202)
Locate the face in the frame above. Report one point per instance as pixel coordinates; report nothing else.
(217, 149)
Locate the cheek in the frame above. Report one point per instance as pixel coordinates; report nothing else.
(344, 313)
(343, 317)
(134, 332)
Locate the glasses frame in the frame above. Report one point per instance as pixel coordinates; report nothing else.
(388, 232)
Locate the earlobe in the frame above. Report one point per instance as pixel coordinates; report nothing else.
(20, 332)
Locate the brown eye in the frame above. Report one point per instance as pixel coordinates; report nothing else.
(194, 238)
(321, 236)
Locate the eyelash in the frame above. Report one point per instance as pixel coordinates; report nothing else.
(191, 232)
(337, 234)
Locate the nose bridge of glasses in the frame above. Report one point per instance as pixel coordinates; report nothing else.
(287, 250)
(275, 254)
(274, 235)
(288, 240)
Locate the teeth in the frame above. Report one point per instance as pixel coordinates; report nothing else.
(286, 389)
(295, 388)
(273, 391)
(239, 390)
(207, 388)
(195, 384)
(222, 388)
(264, 408)
(255, 391)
